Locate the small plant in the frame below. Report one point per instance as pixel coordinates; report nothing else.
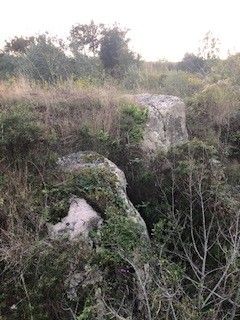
(132, 123)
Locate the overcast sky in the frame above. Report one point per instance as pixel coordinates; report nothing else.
(159, 28)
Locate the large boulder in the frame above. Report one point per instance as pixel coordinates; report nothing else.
(98, 197)
(166, 124)
(97, 192)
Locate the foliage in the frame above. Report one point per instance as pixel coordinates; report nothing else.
(193, 64)
(231, 136)
(86, 37)
(18, 45)
(210, 47)
(45, 60)
(114, 52)
(228, 69)
(132, 123)
(88, 69)
(210, 108)
(125, 241)
(19, 133)
(181, 84)
(199, 214)
(8, 66)
(39, 290)
(188, 196)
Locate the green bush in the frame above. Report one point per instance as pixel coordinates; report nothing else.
(19, 133)
(208, 111)
(8, 66)
(39, 285)
(45, 61)
(132, 123)
(181, 84)
(230, 136)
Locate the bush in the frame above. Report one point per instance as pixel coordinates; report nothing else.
(228, 69)
(20, 134)
(193, 64)
(200, 212)
(40, 290)
(45, 61)
(209, 110)
(114, 52)
(87, 68)
(8, 66)
(132, 123)
(181, 84)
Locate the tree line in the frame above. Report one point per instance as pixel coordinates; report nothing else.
(48, 58)
(91, 50)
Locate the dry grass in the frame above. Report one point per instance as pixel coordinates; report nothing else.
(63, 109)
(67, 106)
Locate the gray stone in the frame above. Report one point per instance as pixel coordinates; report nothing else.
(80, 220)
(83, 164)
(89, 159)
(86, 160)
(166, 125)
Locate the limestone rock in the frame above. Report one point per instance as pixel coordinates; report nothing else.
(81, 219)
(107, 184)
(166, 125)
(102, 184)
(88, 159)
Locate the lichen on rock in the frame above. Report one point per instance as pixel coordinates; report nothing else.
(98, 184)
(166, 125)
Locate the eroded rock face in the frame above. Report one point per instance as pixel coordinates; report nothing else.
(166, 125)
(104, 186)
(97, 181)
(81, 219)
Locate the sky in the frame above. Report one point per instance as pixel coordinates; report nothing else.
(159, 29)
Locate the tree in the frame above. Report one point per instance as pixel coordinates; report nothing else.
(229, 69)
(18, 45)
(114, 52)
(210, 47)
(45, 60)
(109, 44)
(86, 37)
(192, 63)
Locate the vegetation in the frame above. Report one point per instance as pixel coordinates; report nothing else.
(53, 103)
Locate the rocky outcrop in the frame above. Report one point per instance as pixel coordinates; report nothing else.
(166, 124)
(99, 189)
(96, 182)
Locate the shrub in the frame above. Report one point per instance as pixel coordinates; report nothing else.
(200, 212)
(193, 64)
(230, 136)
(87, 68)
(46, 61)
(181, 84)
(8, 66)
(209, 110)
(40, 290)
(132, 123)
(19, 133)
(114, 52)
